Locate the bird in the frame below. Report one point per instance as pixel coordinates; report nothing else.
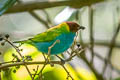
(56, 39)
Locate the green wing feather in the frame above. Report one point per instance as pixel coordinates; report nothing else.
(49, 35)
(46, 36)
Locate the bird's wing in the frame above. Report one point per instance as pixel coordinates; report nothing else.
(49, 35)
(42, 37)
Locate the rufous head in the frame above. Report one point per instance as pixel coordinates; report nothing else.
(74, 27)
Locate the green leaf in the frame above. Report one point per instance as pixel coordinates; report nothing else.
(5, 4)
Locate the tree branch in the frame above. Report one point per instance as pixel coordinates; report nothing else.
(35, 62)
(39, 19)
(91, 19)
(27, 63)
(29, 6)
(101, 58)
(99, 77)
(111, 47)
(102, 43)
(18, 51)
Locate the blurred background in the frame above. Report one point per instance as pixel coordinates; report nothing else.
(100, 39)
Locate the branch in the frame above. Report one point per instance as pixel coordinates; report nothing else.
(36, 62)
(39, 19)
(99, 77)
(33, 14)
(27, 63)
(18, 51)
(113, 41)
(102, 43)
(30, 6)
(101, 58)
(91, 19)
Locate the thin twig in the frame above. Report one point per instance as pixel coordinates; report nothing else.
(78, 19)
(47, 16)
(112, 45)
(113, 41)
(18, 51)
(36, 71)
(99, 77)
(27, 63)
(103, 59)
(39, 19)
(76, 53)
(105, 43)
(40, 73)
(91, 33)
(7, 62)
(101, 43)
(68, 74)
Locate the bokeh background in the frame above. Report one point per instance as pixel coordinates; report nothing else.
(100, 39)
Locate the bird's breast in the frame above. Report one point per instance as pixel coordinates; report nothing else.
(66, 40)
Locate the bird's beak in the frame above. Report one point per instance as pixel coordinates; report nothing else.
(81, 27)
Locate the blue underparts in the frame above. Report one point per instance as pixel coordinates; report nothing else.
(66, 41)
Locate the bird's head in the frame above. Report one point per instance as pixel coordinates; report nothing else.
(74, 27)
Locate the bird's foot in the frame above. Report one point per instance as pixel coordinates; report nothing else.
(49, 61)
(51, 64)
(62, 61)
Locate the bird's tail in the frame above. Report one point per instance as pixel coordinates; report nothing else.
(25, 41)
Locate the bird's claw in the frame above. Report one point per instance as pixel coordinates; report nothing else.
(62, 61)
(51, 64)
